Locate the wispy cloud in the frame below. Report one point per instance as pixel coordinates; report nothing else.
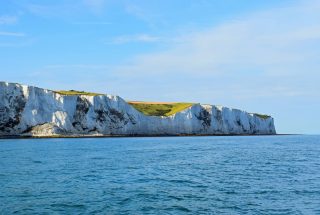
(268, 54)
(92, 23)
(254, 49)
(17, 44)
(77, 66)
(8, 20)
(44, 10)
(54, 9)
(12, 34)
(65, 9)
(96, 6)
(147, 16)
(145, 38)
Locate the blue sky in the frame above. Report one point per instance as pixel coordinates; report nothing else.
(260, 56)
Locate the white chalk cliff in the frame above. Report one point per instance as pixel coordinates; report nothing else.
(31, 111)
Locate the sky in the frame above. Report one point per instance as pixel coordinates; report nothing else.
(258, 56)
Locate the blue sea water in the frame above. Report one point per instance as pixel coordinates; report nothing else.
(161, 175)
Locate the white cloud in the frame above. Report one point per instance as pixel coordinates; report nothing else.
(17, 44)
(54, 9)
(269, 54)
(254, 50)
(8, 20)
(136, 38)
(92, 23)
(145, 15)
(95, 5)
(66, 9)
(48, 10)
(77, 66)
(12, 34)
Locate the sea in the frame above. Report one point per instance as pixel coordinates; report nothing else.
(161, 175)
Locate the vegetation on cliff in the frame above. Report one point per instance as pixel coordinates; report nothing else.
(76, 93)
(262, 116)
(149, 108)
(160, 109)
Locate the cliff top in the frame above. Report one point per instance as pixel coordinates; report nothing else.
(76, 93)
(147, 108)
(160, 108)
(262, 116)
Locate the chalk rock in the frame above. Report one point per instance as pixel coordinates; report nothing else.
(31, 111)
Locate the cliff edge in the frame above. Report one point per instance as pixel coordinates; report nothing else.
(31, 111)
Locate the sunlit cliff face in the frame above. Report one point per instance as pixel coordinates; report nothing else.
(32, 111)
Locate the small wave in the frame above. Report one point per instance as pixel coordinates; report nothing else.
(176, 198)
(181, 181)
(179, 208)
(125, 201)
(97, 158)
(64, 205)
(36, 161)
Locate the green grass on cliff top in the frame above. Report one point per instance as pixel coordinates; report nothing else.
(149, 108)
(262, 116)
(76, 93)
(159, 109)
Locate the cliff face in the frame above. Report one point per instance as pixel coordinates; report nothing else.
(32, 111)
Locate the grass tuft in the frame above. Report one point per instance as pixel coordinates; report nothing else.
(76, 93)
(159, 109)
(262, 116)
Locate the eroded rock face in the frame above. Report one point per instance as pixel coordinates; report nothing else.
(11, 107)
(204, 116)
(80, 114)
(27, 110)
